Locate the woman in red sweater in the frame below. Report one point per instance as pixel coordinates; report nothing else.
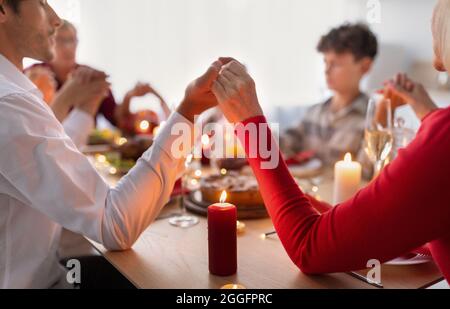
(406, 207)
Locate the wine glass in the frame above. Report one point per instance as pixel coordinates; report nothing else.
(185, 220)
(403, 136)
(379, 137)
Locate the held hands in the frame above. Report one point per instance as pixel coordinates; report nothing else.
(236, 92)
(226, 83)
(199, 96)
(86, 89)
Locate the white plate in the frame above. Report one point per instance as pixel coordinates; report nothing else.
(309, 169)
(415, 260)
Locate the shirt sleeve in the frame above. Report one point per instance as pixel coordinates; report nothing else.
(49, 174)
(78, 125)
(404, 208)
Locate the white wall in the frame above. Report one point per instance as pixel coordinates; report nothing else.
(169, 42)
(408, 23)
(405, 39)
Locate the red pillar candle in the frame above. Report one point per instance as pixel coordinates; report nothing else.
(222, 239)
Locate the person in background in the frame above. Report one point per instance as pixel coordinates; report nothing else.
(336, 126)
(58, 71)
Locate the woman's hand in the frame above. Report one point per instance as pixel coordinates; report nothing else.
(236, 93)
(402, 90)
(199, 96)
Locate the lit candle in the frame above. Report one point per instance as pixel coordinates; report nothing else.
(222, 238)
(347, 179)
(233, 286)
(120, 141)
(144, 125)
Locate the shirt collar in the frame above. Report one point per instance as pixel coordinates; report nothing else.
(12, 74)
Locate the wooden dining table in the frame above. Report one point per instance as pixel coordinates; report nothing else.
(168, 257)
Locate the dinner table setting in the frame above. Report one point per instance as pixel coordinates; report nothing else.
(215, 232)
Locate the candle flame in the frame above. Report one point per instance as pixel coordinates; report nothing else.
(144, 125)
(223, 196)
(121, 141)
(348, 158)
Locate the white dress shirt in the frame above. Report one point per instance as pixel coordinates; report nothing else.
(47, 184)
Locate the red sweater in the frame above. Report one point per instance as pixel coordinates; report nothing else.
(407, 206)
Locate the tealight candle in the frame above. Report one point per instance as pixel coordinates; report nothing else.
(222, 238)
(144, 126)
(233, 286)
(120, 141)
(347, 179)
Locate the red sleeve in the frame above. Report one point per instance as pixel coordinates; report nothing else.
(403, 209)
(320, 206)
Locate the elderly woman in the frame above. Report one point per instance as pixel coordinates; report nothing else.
(406, 207)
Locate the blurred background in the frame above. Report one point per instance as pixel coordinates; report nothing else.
(170, 42)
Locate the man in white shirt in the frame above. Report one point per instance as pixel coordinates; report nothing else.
(46, 183)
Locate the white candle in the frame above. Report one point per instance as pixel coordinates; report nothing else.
(347, 179)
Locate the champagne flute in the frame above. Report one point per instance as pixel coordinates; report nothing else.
(185, 220)
(379, 137)
(403, 136)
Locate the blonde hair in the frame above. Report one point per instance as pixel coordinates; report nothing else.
(441, 31)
